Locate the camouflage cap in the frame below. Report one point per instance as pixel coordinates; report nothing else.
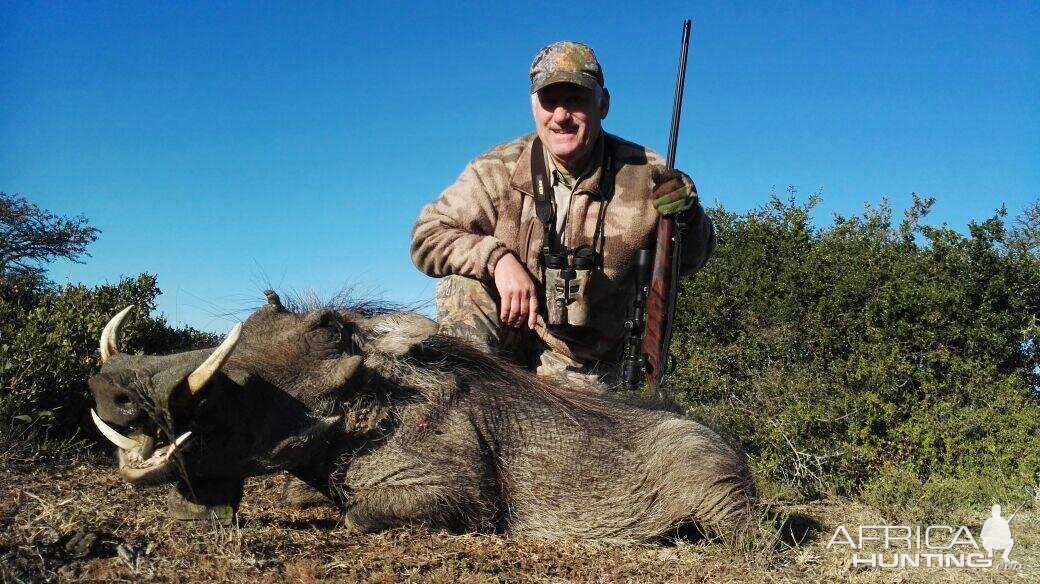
(566, 62)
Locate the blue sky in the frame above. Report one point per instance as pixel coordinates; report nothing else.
(226, 147)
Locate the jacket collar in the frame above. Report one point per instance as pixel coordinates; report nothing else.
(524, 182)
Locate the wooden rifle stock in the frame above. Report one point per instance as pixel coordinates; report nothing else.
(659, 297)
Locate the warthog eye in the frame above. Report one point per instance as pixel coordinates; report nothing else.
(329, 335)
(326, 339)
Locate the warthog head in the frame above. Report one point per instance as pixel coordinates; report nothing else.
(261, 401)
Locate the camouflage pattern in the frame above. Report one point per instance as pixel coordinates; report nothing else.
(674, 192)
(566, 62)
(490, 211)
(565, 297)
(556, 293)
(468, 309)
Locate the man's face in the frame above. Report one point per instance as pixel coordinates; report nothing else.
(567, 119)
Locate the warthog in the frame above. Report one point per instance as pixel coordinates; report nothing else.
(400, 425)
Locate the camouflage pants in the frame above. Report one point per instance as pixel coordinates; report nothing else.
(468, 309)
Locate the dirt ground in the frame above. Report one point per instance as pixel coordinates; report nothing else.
(75, 520)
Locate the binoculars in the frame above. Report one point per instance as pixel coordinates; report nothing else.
(566, 281)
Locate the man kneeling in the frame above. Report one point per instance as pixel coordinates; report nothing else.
(536, 240)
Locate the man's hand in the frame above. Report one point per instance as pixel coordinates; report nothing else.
(674, 192)
(517, 292)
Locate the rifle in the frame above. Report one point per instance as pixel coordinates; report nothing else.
(649, 327)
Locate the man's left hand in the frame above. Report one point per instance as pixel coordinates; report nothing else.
(674, 191)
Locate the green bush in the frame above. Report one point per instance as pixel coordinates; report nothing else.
(49, 348)
(903, 498)
(835, 352)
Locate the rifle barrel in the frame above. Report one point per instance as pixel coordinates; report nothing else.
(673, 136)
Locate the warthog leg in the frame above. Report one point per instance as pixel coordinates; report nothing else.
(442, 485)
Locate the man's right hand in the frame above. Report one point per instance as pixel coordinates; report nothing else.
(516, 289)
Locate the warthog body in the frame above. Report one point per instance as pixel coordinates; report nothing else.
(400, 425)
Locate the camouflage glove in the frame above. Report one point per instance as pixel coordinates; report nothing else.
(674, 192)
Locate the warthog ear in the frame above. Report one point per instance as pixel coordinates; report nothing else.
(273, 301)
(397, 333)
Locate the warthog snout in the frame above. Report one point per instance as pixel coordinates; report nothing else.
(115, 403)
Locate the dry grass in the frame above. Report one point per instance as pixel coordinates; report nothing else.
(76, 520)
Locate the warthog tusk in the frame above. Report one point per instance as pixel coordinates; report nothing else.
(110, 334)
(201, 376)
(113, 436)
(180, 439)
